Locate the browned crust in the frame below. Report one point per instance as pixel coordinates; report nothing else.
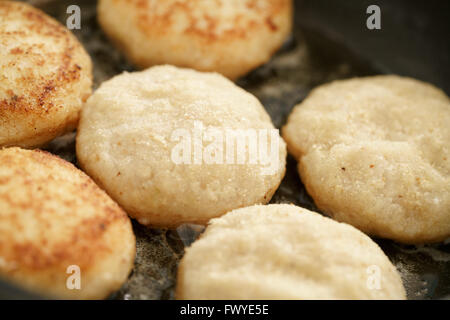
(84, 241)
(42, 89)
(38, 91)
(207, 34)
(148, 22)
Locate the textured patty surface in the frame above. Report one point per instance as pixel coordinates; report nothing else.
(52, 217)
(375, 152)
(131, 128)
(45, 76)
(231, 37)
(285, 252)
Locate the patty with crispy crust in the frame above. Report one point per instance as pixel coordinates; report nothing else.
(54, 217)
(231, 37)
(45, 76)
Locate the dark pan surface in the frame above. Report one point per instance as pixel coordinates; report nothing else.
(329, 42)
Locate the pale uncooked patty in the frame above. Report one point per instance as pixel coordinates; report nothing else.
(231, 37)
(125, 143)
(285, 252)
(375, 152)
(53, 216)
(45, 76)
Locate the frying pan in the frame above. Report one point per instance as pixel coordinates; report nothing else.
(330, 41)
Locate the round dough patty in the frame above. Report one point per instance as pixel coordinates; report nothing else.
(126, 143)
(374, 152)
(285, 252)
(53, 216)
(45, 76)
(231, 37)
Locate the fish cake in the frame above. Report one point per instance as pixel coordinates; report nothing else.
(281, 251)
(231, 37)
(374, 152)
(135, 126)
(45, 76)
(56, 225)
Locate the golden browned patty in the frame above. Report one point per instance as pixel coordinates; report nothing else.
(45, 76)
(231, 37)
(52, 217)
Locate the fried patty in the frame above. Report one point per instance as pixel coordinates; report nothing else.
(285, 252)
(231, 37)
(375, 152)
(133, 126)
(45, 76)
(54, 218)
